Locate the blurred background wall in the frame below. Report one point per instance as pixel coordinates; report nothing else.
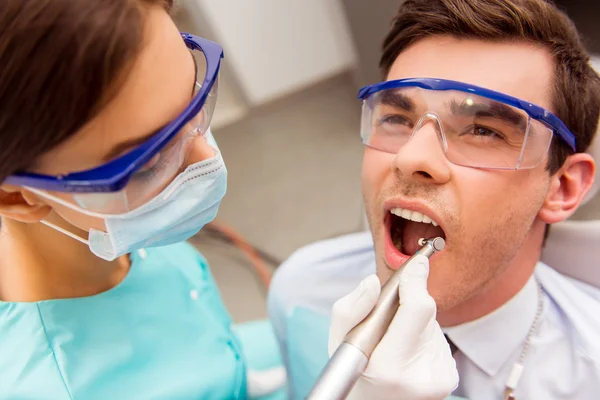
(287, 123)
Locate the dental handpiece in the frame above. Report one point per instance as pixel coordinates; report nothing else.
(351, 358)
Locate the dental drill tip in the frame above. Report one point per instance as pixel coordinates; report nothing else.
(439, 243)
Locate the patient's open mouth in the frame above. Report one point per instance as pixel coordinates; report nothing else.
(407, 227)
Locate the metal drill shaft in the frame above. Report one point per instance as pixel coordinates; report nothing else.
(367, 334)
(351, 358)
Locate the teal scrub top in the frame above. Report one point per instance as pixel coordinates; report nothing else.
(162, 333)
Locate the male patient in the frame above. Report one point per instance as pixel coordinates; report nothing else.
(479, 136)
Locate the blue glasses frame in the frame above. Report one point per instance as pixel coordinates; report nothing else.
(534, 111)
(113, 176)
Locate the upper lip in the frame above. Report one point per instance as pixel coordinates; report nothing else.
(414, 206)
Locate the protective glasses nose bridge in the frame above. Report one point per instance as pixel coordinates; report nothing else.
(431, 117)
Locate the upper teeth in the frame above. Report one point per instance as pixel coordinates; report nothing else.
(413, 216)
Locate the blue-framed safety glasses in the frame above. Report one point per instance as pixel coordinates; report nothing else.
(476, 127)
(132, 179)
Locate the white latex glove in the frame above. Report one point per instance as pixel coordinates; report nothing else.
(413, 361)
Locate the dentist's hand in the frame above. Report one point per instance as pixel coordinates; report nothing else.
(413, 361)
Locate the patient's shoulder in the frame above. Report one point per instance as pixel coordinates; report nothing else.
(575, 307)
(354, 247)
(567, 290)
(323, 271)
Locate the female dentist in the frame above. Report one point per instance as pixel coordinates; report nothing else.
(107, 166)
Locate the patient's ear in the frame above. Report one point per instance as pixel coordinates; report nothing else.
(568, 187)
(16, 204)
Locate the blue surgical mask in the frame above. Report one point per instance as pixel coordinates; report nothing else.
(190, 201)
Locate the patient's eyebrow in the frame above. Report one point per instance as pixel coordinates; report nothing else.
(397, 100)
(489, 110)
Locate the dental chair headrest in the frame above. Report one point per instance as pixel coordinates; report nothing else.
(572, 246)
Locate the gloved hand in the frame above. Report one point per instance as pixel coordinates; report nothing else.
(413, 361)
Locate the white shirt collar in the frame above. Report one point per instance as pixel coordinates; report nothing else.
(491, 339)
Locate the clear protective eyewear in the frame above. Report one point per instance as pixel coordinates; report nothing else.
(131, 180)
(476, 127)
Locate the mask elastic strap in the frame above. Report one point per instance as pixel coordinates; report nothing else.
(66, 232)
(65, 203)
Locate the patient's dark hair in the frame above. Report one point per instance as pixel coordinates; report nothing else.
(60, 62)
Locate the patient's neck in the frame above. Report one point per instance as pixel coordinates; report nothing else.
(39, 263)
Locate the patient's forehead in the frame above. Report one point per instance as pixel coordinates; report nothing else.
(522, 70)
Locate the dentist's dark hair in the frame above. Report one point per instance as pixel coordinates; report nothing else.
(60, 63)
(576, 86)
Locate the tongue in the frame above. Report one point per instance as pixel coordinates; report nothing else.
(413, 231)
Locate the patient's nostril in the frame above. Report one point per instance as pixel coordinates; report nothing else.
(424, 174)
